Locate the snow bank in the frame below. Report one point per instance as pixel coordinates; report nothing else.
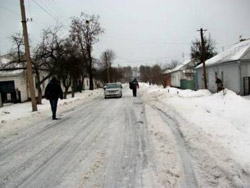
(222, 117)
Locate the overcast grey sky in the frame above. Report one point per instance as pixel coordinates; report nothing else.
(138, 31)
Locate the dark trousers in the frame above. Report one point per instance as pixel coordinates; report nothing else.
(134, 92)
(53, 105)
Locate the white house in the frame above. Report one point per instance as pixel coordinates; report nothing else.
(11, 81)
(232, 66)
(14, 85)
(182, 75)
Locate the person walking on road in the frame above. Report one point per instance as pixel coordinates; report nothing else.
(53, 92)
(134, 86)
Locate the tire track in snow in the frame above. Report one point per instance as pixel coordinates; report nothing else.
(128, 155)
(190, 179)
(64, 150)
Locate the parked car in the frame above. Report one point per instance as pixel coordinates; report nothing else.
(112, 90)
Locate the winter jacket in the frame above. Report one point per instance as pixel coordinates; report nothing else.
(134, 84)
(53, 90)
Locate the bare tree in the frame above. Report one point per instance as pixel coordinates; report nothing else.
(172, 65)
(85, 30)
(48, 56)
(72, 67)
(107, 58)
(145, 74)
(16, 54)
(18, 51)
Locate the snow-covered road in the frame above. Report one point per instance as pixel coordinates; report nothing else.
(102, 143)
(113, 143)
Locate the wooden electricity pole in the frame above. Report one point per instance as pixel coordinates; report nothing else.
(28, 59)
(107, 65)
(203, 52)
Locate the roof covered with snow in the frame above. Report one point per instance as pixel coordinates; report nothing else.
(179, 67)
(3, 62)
(236, 52)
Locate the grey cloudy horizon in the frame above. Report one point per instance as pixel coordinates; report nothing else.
(138, 31)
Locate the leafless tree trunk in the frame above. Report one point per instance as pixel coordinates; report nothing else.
(84, 30)
(107, 58)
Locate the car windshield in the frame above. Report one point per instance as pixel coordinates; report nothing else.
(113, 86)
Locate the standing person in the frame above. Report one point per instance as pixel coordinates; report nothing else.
(53, 91)
(134, 86)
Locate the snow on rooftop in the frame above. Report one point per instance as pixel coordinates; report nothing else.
(4, 61)
(11, 73)
(179, 67)
(236, 52)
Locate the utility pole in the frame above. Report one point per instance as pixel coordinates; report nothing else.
(203, 52)
(107, 65)
(28, 59)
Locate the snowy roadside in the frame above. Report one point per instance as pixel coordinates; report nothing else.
(15, 117)
(215, 127)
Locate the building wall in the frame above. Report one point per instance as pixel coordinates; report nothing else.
(245, 68)
(199, 80)
(168, 80)
(86, 84)
(175, 78)
(245, 75)
(228, 73)
(20, 84)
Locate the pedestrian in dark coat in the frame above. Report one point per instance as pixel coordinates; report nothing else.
(53, 91)
(134, 86)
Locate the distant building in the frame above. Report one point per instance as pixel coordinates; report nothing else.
(135, 73)
(232, 66)
(182, 76)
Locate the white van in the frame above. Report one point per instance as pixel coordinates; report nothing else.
(112, 90)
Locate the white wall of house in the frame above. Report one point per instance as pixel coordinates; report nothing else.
(175, 78)
(199, 81)
(86, 83)
(227, 72)
(245, 69)
(20, 84)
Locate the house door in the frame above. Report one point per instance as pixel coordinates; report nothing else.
(246, 83)
(6, 89)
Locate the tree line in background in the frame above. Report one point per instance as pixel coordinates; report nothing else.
(70, 58)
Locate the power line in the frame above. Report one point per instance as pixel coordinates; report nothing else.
(55, 13)
(148, 41)
(58, 7)
(152, 59)
(45, 10)
(50, 14)
(9, 10)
